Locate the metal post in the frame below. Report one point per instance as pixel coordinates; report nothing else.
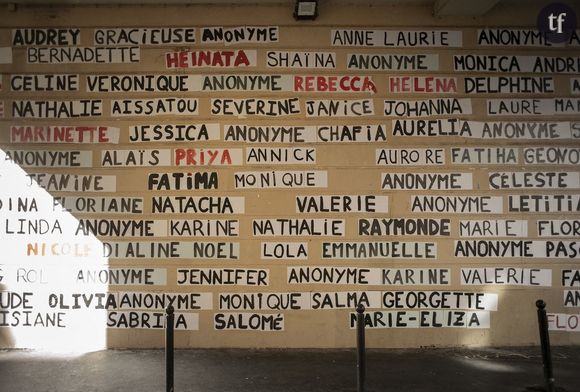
(360, 344)
(169, 316)
(545, 342)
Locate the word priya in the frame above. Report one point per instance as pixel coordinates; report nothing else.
(311, 60)
(248, 322)
(284, 250)
(281, 179)
(506, 276)
(207, 157)
(493, 228)
(457, 204)
(393, 38)
(155, 107)
(298, 227)
(211, 59)
(422, 84)
(73, 183)
(564, 322)
(339, 108)
(424, 319)
(436, 181)
(533, 107)
(342, 203)
(255, 107)
(151, 320)
(63, 134)
(240, 34)
(410, 157)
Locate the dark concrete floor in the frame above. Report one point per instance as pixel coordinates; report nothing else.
(450, 370)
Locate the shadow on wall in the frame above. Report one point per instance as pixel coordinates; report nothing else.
(48, 302)
(6, 338)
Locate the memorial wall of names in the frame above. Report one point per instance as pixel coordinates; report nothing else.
(264, 176)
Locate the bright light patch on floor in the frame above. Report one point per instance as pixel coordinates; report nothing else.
(42, 306)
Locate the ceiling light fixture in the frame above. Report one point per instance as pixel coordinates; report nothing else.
(306, 10)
